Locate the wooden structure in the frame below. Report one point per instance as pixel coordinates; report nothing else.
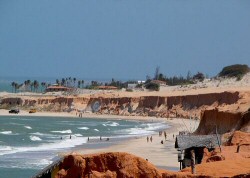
(50, 170)
(57, 89)
(186, 143)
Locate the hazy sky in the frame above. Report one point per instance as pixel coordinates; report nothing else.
(123, 39)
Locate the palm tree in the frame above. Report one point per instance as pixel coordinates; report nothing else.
(43, 84)
(31, 86)
(13, 85)
(28, 82)
(79, 84)
(63, 81)
(74, 79)
(57, 82)
(70, 81)
(36, 85)
(82, 83)
(16, 86)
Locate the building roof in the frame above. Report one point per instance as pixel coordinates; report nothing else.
(107, 87)
(57, 87)
(159, 82)
(187, 141)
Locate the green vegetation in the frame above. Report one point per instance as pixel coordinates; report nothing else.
(152, 86)
(237, 70)
(199, 76)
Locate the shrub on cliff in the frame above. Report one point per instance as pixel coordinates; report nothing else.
(199, 76)
(152, 86)
(237, 70)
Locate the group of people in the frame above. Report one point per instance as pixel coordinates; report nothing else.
(107, 139)
(151, 139)
(160, 134)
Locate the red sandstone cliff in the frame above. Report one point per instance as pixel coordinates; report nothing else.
(230, 114)
(170, 106)
(117, 164)
(223, 121)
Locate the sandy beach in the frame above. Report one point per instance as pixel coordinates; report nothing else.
(162, 155)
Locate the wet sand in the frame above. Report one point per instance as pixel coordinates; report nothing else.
(162, 155)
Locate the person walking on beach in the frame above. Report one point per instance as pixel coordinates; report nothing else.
(70, 137)
(165, 135)
(147, 139)
(151, 138)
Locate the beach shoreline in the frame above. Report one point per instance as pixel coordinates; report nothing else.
(4, 112)
(163, 156)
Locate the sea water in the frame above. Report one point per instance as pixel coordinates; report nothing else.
(28, 144)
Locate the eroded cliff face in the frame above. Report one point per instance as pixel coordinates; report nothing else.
(229, 114)
(169, 106)
(119, 164)
(223, 122)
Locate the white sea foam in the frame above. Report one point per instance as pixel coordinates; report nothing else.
(5, 148)
(35, 138)
(83, 128)
(112, 124)
(38, 133)
(96, 130)
(6, 132)
(44, 135)
(41, 162)
(62, 131)
(146, 129)
(78, 135)
(55, 146)
(138, 131)
(27, 127)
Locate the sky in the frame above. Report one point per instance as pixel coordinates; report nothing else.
(122, 39)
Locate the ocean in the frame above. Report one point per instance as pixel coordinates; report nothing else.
(28, 143)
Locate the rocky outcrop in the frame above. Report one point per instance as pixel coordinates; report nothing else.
(240, 138)
(106, 165)
(119, 164)
(223, 122)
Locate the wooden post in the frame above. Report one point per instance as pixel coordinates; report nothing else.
(238, 148)
(193, 162)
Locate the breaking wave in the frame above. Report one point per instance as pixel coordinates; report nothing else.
(83, 128)
(35, 138)
(62, 131)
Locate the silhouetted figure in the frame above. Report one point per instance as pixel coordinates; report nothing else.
(147, 139)
(70, 137)
(151, 138)
(100, 138)
(88, 138)
(165, 135)
(107, 139)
